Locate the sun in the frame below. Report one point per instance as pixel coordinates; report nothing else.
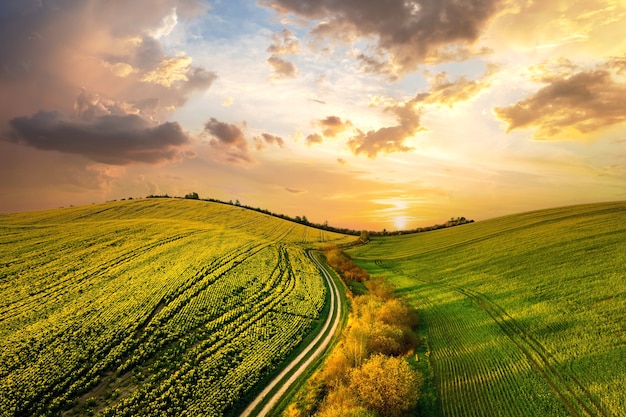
(400, 222)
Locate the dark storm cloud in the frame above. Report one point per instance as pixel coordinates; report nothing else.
(410, 31)
(109, 139)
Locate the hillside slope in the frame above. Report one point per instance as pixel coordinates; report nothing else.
(150, 307)
(524, 314)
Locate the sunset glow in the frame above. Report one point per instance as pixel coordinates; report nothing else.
(396, 115)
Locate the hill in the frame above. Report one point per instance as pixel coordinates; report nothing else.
(522, 315)
(150, 307)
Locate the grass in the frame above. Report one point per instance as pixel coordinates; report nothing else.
(150, 306)
(524, 314)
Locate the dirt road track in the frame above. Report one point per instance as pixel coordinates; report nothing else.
(279, 385)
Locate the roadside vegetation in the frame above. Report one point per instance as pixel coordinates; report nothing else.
(150, 307)
(523, 315)
(368, 373)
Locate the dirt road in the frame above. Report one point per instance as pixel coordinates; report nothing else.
(279, 385)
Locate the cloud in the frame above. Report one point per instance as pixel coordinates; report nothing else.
(100, 46)
(282, 67)
(571, 27)
(332, 126)
(38, 179)
(456, 53)
(407, 32)
(445, 92)
(377, 66)
(283, 43)
(196, 78)
(389, 139)
(578, 102)
(168, 23)
(618, 64)
(108, 139)
(228, 141)
(294, 190)
(121, 69)
(266, 138)
(314, 138)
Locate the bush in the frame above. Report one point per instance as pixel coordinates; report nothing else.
(387, 385)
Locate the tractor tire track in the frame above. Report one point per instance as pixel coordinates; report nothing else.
(576, 398)
(281, 383)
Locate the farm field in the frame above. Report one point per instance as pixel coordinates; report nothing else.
(523, 315)
(150, 307)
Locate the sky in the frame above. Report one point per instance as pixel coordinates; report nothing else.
(371, 115)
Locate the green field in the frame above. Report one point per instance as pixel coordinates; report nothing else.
(150, 307)
(523, 315)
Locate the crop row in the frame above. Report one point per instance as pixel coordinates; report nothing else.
(524, 313)
(167, 316)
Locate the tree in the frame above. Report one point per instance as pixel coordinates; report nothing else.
(336, 368)
(343, 402)
(193, 196)
(387, 385)
(381, 288)
(386, 339)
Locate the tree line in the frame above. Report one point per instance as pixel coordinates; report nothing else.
(454, 221)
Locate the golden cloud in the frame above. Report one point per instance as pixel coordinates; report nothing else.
(332, 126)
(282, 67)
(389, 139)
(121, 69)
(314, 138)
(169, 71)
(445, 92)
(595, 26)
(283, 43)
(578, 103)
